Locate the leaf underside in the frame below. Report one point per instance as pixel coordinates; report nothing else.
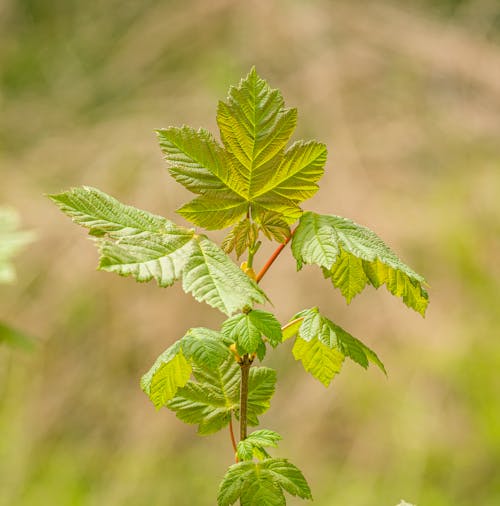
(252, 173)
(133, 242)
(353, 256)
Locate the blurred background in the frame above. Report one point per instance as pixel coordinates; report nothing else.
(407, 97)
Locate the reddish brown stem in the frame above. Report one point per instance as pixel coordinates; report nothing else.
(273, 257)
(233, 440)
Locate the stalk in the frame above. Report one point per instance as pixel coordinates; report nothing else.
(273, 257)
(245, 364)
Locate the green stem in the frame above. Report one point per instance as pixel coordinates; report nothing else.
(245, 364)
(251, 253)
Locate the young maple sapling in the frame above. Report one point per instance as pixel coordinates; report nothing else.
(253, 184)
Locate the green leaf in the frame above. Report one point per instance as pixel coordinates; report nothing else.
(14, 338)
(11, 241)
(242, 331)
(261, 386)
(170, 371)
(148, 256)
(214, 212)
(291, 328)
(101, 213)
(320, 360)
(247, 329)
(262, 483)
(210, 276)
(353, 256)
(214, 396)
(234, 180)
(298, 173)
(322, 346)
(136, 243)
(267, 325)
(205, 347)
(197, 161)
(255, 443)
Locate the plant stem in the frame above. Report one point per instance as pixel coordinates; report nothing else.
(233, 440)
(245, 364)
(273, 257)
(251, 253)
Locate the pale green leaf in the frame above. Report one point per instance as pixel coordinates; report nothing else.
(315, 241)
(210, 276)
(170, 372)
(322, 345)
(353, 256)
(100, 212)
(319, 359)
(148, 256)
(291, 328)
(347, 274)
(136, 243)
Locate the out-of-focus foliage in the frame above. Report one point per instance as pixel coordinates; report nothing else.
(11, 241)
(408, 99)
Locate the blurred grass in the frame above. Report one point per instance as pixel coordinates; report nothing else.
(407, 99)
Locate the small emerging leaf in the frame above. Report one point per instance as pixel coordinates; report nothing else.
(274, 226)
(254, 444)
(247, 329)
(241, 237)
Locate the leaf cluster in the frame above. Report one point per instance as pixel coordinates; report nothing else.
(252, 181)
